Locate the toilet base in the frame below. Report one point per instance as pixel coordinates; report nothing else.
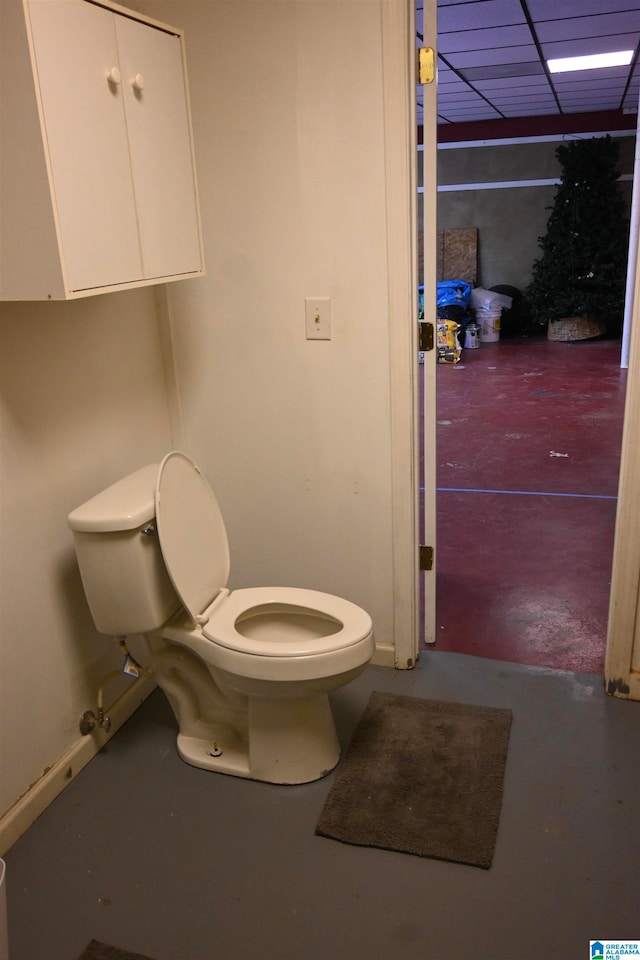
(289, 741)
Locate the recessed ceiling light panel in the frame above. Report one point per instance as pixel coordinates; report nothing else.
(593, 62)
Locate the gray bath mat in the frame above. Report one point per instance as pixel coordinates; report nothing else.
(422, 777)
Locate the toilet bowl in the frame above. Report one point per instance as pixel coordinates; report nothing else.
(247, 672)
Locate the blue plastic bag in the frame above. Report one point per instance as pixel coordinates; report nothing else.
(453, 293)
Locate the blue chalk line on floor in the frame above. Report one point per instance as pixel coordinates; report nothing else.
(526, 493)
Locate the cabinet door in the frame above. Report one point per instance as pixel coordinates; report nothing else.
(160, 146)
(75, 49)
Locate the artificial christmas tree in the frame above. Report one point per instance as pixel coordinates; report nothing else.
(578, 284)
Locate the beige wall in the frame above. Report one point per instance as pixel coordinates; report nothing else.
(293, 434)
(82, 402)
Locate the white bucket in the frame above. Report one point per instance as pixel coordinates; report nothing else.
(4, 935)
(489, 326)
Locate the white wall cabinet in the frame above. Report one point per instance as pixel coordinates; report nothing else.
(97, 182)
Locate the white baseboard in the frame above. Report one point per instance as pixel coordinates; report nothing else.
(384, 655)
(28, 808)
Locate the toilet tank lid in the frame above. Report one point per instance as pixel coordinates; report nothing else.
(124, 505)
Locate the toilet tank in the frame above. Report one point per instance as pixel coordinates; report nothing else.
(123, 573)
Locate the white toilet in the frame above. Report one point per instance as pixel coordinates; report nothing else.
(246, 672)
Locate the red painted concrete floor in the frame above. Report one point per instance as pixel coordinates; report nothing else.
(529, 436)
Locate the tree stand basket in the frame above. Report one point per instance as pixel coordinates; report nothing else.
(568, 329)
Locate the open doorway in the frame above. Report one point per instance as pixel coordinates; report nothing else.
(529, 436)
(528, 452)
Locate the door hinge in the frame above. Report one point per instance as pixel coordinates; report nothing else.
(425, 335)
(426, 557)
(426, 65)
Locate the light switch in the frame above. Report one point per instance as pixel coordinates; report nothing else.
(317, 315)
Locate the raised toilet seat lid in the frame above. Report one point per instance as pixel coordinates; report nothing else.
(192, 534)
(262, 609)
(195, 550)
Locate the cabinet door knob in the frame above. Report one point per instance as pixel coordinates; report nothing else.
(138, 82)
(114, 76)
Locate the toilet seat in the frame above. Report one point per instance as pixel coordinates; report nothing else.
(276, 623)
(265, 614)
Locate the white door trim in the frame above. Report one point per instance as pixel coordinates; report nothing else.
(398, 63)
(429, 231)
(622, 660)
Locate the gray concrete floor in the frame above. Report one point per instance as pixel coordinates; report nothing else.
(151, 855)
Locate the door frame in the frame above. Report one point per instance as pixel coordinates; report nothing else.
(400, 137)
(429, 160)
(622, 658)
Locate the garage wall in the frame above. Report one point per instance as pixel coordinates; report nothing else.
(509, 219)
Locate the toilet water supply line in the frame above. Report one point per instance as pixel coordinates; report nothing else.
(89, 720)
(182, 696)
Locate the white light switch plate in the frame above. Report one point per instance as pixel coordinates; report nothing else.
(317, 315)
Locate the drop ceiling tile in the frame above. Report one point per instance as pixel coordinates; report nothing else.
(523, 54)
(453, 85)
(529, 109)
(468, 99)
(580, 108)
(479, 14)
(587, 103)
(507, 100)
(462, 116)
(483, 112)
(504, 72)
(460, 99)
(466, 96)
(575, 28)
(532, 112)
(538, 82)
(561, 9)
(444, 73)
(635, 80)
(463, 40)
(588, 85)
